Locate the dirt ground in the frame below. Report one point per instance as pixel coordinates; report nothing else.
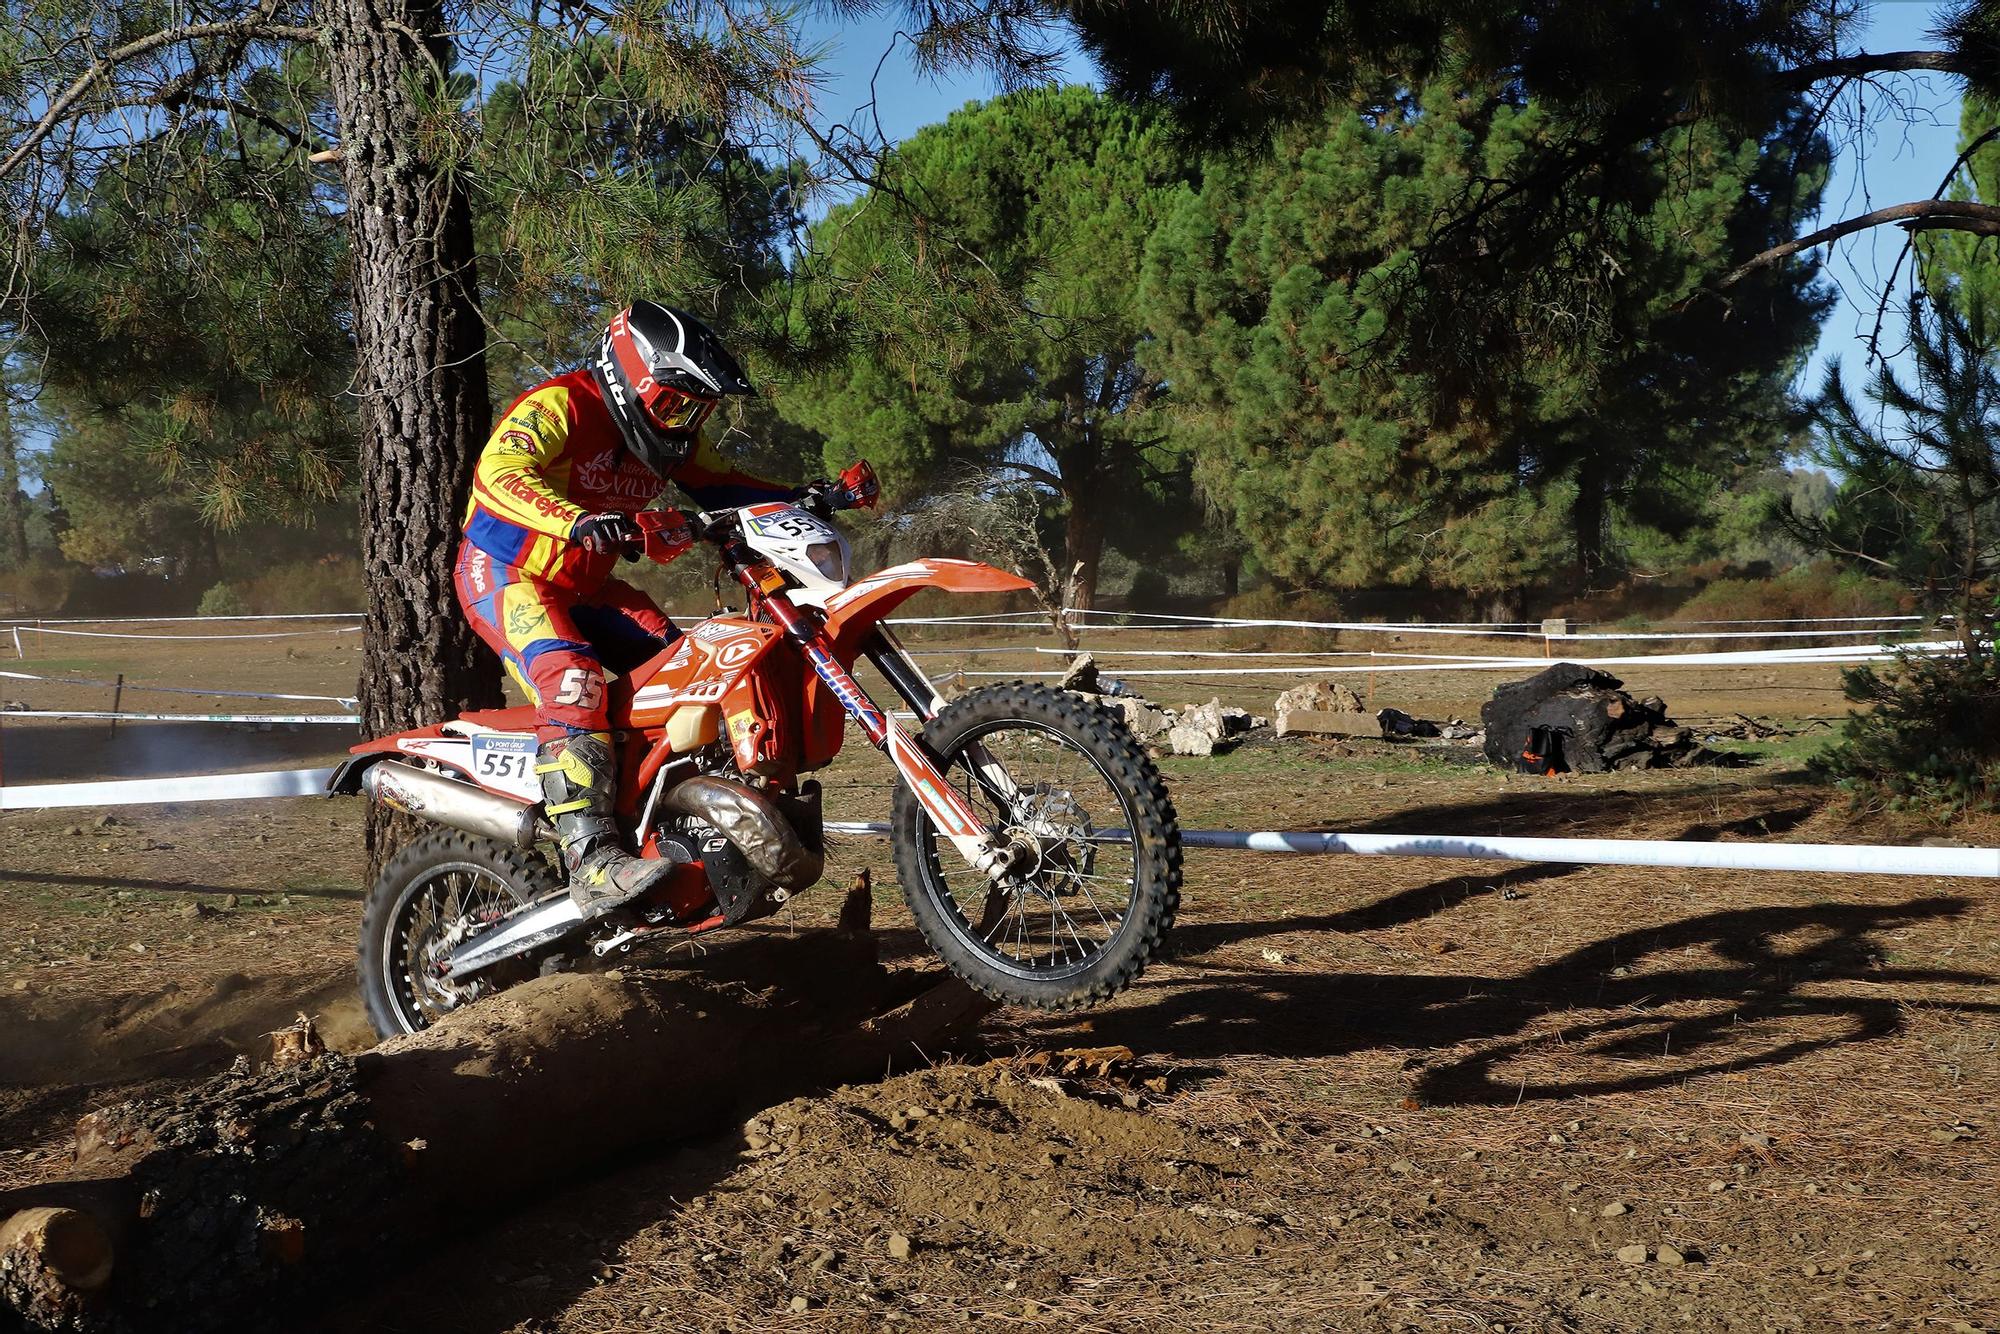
(1371, 1093)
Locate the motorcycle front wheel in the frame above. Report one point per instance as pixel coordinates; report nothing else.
(1096, 847)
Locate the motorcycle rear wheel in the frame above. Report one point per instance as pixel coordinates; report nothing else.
(442, 882)
(1090, 902)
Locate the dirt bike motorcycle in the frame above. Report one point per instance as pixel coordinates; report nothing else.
(1034, 839)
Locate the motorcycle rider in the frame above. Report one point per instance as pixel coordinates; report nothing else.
(557, 483)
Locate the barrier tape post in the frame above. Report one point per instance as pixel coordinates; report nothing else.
(117, 702)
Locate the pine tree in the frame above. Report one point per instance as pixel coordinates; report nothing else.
(1352, 449)
(986, 302)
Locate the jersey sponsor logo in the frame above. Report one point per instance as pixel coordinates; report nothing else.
(523, 621)
(517, 487)
(606, 475)
(517, 440)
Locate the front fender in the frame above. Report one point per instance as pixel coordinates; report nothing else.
(858, 607)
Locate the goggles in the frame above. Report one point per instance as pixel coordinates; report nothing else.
(672, 409)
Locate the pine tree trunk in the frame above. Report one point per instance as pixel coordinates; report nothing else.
(424, 411)
(1083, 549)
(13, 512)
(1587, 523)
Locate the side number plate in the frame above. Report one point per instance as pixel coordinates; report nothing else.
(506, 761)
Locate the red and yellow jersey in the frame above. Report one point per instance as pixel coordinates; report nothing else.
(557, 455)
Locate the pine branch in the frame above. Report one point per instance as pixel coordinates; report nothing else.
(259, 26)
(1865, 62)
(1979, 219)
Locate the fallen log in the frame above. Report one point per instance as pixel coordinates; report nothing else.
(222, 1206)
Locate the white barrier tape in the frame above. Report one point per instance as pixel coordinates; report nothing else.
(1794, 620)
(177, 690)
(1233, 620)
(155, 791)
(1744, 634)
(168, 620)
(183, 717)
(120, 634)
(1841, 858)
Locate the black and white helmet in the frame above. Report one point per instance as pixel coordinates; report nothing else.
(663, 371)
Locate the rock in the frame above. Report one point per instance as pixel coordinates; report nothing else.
(198, 909)
(1317, 722)
(801, 1303)
(1237, 721)
(1396, 725)
(1081, 674)
(233, 901)
(105, 821)
(1318, 697)
(1614, 1209)
(898, 1246)
(1145, 718)
(1198, 729)
(74, 831)
(1670, 1256)
(1754, 1139)
(1635, 1254)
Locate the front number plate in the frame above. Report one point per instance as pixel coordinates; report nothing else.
(505, 761)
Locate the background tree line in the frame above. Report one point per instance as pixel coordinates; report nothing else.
(1187, 356)
(1467, 296)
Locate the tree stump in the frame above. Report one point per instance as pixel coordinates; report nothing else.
(1587, 723)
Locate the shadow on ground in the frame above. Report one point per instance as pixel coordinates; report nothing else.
(1620, 1025)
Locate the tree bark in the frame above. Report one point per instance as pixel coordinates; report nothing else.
(1083, 548)
(1587, 525)
(241, 1202)
(422, 373)
(13, 512)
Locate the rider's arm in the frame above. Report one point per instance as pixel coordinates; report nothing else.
(712, 484)
(512, 477)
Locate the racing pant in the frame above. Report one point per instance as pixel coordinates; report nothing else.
(557, 643)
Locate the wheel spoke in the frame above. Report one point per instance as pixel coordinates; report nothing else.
(1059, 848)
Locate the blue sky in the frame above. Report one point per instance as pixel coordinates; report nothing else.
(1893, 162)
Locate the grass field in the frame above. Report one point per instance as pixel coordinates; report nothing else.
(1365, 1092)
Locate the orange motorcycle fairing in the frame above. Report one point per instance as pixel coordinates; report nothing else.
(707, 686)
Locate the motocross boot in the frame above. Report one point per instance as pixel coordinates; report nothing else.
(579, 781)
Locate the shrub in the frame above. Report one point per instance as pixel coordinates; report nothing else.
(223, 600)
(1271, 604)
(330, 584)
(1804, 591)
(41, 586)
(1932, 741)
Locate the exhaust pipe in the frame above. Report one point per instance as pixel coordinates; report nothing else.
(448, 801)
(751, 822)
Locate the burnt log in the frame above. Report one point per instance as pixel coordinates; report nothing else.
(224, 1205)
(1576, 719)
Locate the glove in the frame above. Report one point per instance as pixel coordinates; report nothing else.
(605, 534)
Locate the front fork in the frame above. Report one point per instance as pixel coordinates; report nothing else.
(951, 813)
